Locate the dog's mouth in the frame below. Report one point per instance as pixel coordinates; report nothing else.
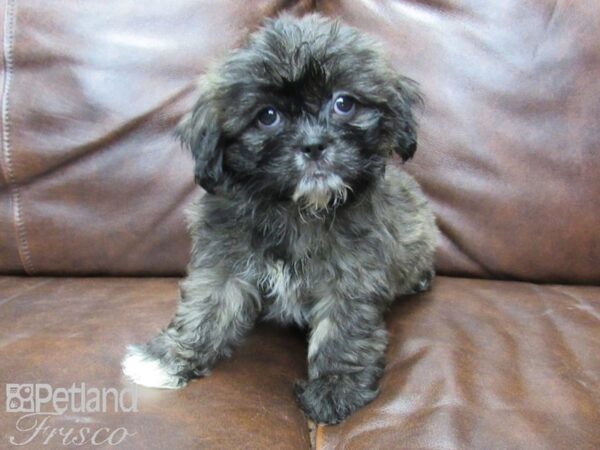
(317, 169)
(319, 187)
(319, 190)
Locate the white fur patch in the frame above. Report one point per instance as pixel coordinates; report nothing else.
(277, 280)
(283, 289)
(146, 371)
(315, 193)
(324, 330)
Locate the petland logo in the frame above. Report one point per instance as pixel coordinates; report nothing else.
(40, 403)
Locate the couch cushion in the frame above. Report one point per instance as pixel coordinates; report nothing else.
(485, 365)
(471, 364)
(65, 331)
(92, 180)
(510, 137)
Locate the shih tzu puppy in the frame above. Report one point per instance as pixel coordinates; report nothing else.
(304, 221)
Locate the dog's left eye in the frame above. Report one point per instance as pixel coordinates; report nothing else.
(344, 105)
(268, 117)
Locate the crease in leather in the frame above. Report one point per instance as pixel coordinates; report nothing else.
(582, 307)
(9, 174)
(161, 218)
(454, 240)
(25, 290)
(551, 17)
(89, 148)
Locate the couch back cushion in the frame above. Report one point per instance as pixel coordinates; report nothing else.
(94, 183)
(510, 137)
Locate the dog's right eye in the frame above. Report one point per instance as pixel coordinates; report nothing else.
(268, 118)
(344, 105)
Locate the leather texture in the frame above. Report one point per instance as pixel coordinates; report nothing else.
(94, 183)
(510, 139)
(478, 364)
(93, 180)
(472, 364)
(61, 331)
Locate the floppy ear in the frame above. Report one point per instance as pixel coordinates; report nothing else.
(406, 98)
(200, 133)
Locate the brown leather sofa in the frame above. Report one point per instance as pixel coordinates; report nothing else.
(502, 353)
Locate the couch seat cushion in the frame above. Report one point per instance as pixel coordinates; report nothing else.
(485, 365)
(61, 331)
(471, 364)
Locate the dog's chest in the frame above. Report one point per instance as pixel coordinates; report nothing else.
(284, 292)
(296, 277)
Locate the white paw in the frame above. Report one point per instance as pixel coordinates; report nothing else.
(146, 371)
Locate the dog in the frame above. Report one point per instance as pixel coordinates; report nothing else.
(304, 220)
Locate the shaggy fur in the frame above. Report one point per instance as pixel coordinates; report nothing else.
(303, 222)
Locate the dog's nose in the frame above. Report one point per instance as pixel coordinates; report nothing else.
(314, 151)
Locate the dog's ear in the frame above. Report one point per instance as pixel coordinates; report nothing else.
(405, 99)
(199, 132)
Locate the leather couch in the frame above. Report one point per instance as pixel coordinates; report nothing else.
(502, 353)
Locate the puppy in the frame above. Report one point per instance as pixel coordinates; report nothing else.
(303, 221)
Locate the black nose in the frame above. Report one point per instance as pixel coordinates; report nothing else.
(314, 151)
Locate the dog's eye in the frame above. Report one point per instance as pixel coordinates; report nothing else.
(344, 105)
(268, 117)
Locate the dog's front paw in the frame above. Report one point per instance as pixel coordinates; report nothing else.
(147, 370)
(330, 399)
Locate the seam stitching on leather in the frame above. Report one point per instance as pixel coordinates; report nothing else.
(21, 232)
(3, 160)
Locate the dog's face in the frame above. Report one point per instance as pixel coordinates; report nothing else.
(308, 110)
